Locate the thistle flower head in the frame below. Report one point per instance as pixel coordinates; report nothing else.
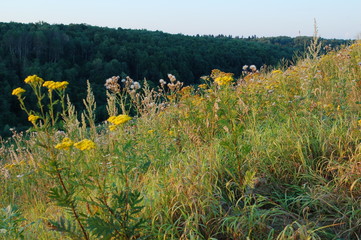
(136, 85)
(162, 82)
(112, 84)
(171, 78)
(253, 68)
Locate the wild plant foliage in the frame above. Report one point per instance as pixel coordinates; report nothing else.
(268, 154)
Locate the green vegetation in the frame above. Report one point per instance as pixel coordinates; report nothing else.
(262, 155)
(77, 53)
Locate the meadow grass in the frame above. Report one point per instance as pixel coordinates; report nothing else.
(266, 155)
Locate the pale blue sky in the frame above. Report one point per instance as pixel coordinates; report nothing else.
(335, 19)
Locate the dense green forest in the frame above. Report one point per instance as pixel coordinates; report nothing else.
(79, 52)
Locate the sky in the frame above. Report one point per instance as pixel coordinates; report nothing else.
(263, 18)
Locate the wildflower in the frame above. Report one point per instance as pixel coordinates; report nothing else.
(245, 67)
(205, 78)
(253, 68)
(18, 91)
(136, 85)
(85, 144)
(51, 85)
(9, 166)
(65, 144)
(171, 97)
(197, 100)
(277, 71)
(224, 80)
(162, 82)
(33, 118)
(186, 90)
(355, 45)
(151, 131)
(203, 86)
(221, 78)
(33, 80)
(112, 127)
(112, 84)
(359, 122)
(171, 78)
(118, 120)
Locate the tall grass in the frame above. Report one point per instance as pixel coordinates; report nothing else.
(265, 155)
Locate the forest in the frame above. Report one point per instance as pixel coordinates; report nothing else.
(79, 52)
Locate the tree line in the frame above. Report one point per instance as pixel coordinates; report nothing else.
(79, 52)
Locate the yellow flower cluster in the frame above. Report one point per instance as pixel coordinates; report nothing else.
(221, 78)
(18, 91)
(65, 144)
(55, 85)
(277, 71)
(186, 90)
(355, 45)
(33, 118)
(118, 120)
(85, 144)
(33, 80)
(359, 122)
(203, 86)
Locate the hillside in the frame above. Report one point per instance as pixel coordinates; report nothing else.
(260, 155)
(76, 53)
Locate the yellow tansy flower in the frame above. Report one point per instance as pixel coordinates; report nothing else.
(359, 122)
(112, 127)
(85, 144)
(51, 85)
(203, 86)
(18, 91)
(224, 80)
(277, 71)
(33, 118)
(221, 78)
(118, 120)
(33, 80)
(65, 144)
(186, 90)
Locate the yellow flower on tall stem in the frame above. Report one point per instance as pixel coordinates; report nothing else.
(221, 78)
(118, 120)
(85, 144)
(65, 144)
(33, 80)
(33, 118)
(18, 91)
(51, 85)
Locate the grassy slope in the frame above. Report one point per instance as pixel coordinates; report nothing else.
(277, 157)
